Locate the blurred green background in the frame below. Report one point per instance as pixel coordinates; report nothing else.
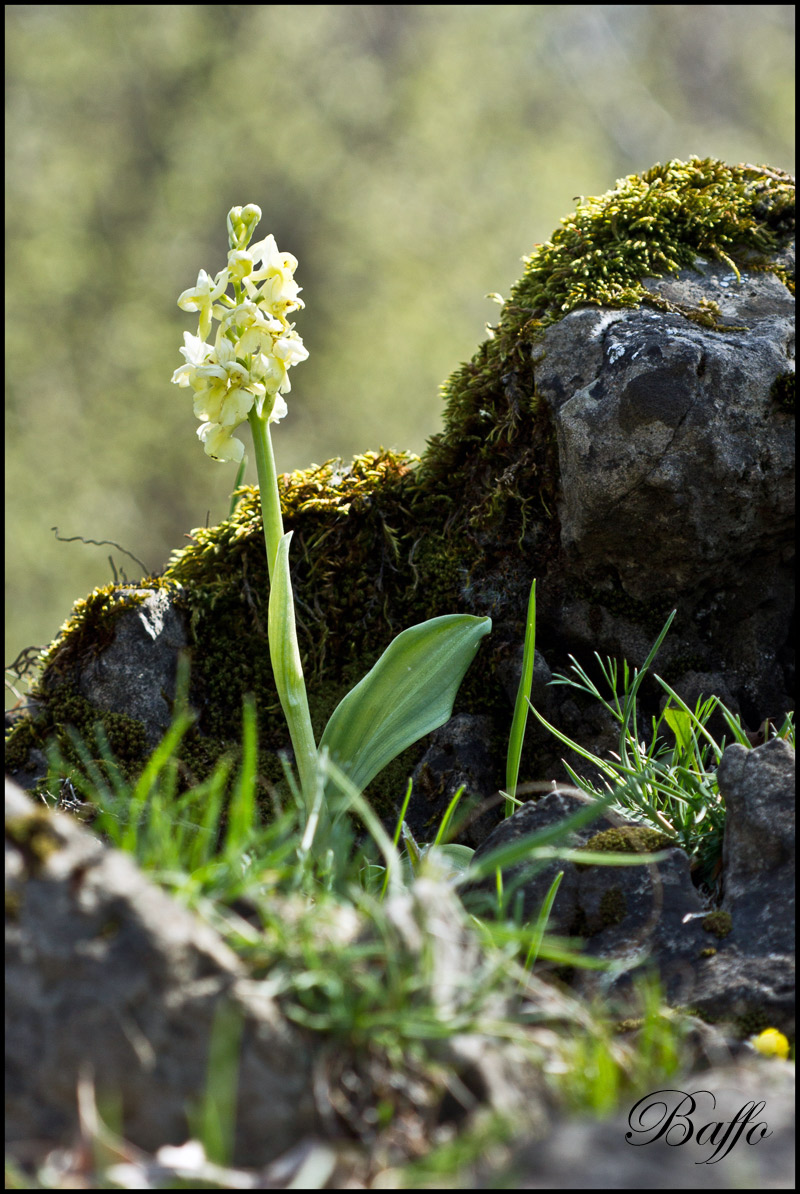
(408, 155)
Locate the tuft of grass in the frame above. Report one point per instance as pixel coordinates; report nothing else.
(671, 786)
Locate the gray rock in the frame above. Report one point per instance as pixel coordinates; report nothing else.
(459, 755)
(665, 426)
(747, 992)
(529, 884)
(135, 674)
(752, 975)
(733, 964)
(649, 911)
(107, 975)
(509, 673)
(627, 915)
(677, 482)
(759, 845)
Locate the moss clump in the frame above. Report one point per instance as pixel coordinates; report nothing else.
(719, 923)
(629, 839)
(22, 737)
(751, 1022)
(651, 615)
(631, 1024)
(359, 577)
(708, 953)
(654, 224)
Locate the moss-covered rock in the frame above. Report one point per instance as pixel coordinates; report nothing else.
(629, 839)
(390, 539)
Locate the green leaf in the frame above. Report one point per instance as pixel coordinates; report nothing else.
(680, 722)
(458, 857)
(407, 694)
(521, 704)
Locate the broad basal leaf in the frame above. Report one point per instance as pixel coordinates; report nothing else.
(407, 694)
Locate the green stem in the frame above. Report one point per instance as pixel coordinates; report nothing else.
(268, 486)
(286, 665)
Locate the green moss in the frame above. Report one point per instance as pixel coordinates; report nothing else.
(21, 739)
(629, 839)
(632, 1024)
(651, 614)
(719, 923)
(751, 1022)
(708, 953)
(651, 225)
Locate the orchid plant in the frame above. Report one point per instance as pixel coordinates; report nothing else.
(241, 376)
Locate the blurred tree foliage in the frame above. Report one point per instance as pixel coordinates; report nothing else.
(408, 155)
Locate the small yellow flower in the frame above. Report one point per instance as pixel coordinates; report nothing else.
(771, 1043)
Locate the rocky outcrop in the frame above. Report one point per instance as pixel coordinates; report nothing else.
(733, 963)
(626, 437)
(671, 449)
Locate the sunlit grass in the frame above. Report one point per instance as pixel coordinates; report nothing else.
(305, 901)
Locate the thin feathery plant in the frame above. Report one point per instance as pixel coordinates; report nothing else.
(670, 785)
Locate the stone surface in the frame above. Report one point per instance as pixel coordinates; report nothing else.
(458, 756)
(759, 845)
(663, 424)
(752, 976)
(106, 974)
(136, 673)
(677, 478)
(533, 817)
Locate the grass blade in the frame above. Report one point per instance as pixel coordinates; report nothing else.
(522, 702)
